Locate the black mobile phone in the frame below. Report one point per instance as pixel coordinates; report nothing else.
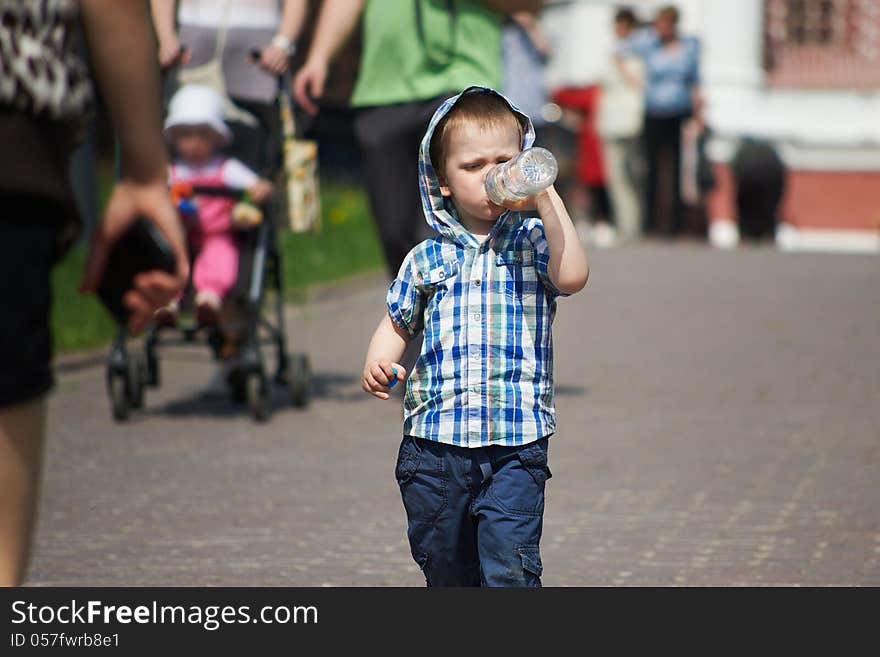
(141, 248)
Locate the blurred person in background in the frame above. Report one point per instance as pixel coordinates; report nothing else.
(45, 100)
(672, 96)
(525, 50)
(620, 121)
(270, 26)
(412, 59)
(760, 180)
(590, 172)
(194, 33)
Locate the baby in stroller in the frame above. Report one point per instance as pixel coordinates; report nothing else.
(196, 131)
(235, 273)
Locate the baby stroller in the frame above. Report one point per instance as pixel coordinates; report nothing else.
(247, 372)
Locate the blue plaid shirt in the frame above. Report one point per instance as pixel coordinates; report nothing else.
(485, 373)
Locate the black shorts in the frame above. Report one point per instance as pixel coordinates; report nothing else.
(29, 232)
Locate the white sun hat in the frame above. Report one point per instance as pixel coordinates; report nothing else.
(196, 104)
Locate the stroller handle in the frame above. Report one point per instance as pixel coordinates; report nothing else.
(183, 190)
(223, 192)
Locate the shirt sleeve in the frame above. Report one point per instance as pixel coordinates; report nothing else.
(237, 176)
(639, 43)
(694, 63)
(541, 255)
(405, 300)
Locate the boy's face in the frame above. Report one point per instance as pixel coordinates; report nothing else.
(195, 144)
(471, 153)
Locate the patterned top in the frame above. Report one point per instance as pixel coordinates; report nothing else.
(40, 72)
(485, 373)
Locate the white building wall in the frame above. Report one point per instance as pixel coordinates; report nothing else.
(581, 36)
(814, 129)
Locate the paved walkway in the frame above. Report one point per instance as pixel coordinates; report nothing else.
(719, 424)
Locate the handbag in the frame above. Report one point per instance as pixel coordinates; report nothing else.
(302, 196)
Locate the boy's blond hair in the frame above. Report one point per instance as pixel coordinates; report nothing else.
(486, 109)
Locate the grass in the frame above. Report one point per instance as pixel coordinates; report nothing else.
(345, 245)
(79, 321)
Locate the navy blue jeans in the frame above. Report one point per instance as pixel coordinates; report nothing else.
(474, 515)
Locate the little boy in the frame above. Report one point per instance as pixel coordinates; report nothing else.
(478, 407)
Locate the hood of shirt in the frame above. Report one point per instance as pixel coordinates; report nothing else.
(440, 211)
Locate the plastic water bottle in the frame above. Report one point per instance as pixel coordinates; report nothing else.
(531, 171)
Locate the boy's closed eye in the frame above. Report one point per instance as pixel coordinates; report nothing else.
(479, 164)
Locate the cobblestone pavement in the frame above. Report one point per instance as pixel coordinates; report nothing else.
(719, 424)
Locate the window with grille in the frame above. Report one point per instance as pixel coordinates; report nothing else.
(823, 43)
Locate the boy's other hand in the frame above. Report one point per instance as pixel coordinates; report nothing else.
(260, 190)
(377, 376)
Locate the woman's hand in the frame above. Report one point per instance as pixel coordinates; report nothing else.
(171, 54)
(309, 84)
(152, 289)
(274, 59)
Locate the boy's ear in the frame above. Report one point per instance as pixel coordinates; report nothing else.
(444, 187)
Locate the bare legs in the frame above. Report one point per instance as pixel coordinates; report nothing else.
(22, 433)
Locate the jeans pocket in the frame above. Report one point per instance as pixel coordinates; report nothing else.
(407, 460)
(518, 486)
(421, 476)
(534, 459)
(530, 557)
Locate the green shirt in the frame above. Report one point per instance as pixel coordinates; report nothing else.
(398, 64)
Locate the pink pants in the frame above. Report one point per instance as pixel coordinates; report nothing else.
(216, 264)
(211, 237)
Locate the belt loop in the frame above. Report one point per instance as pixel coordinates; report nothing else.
(485, 464)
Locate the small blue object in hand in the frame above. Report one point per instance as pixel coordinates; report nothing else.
(186, 206)
(393, 381)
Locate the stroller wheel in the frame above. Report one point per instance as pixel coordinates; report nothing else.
(152, 369)
(258, 396)
(299, 380)
(118, 397)
(137, 377)
(237, 387)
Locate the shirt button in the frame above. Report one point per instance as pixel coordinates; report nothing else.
(477, 317)
(475, 354)
(477, 282)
